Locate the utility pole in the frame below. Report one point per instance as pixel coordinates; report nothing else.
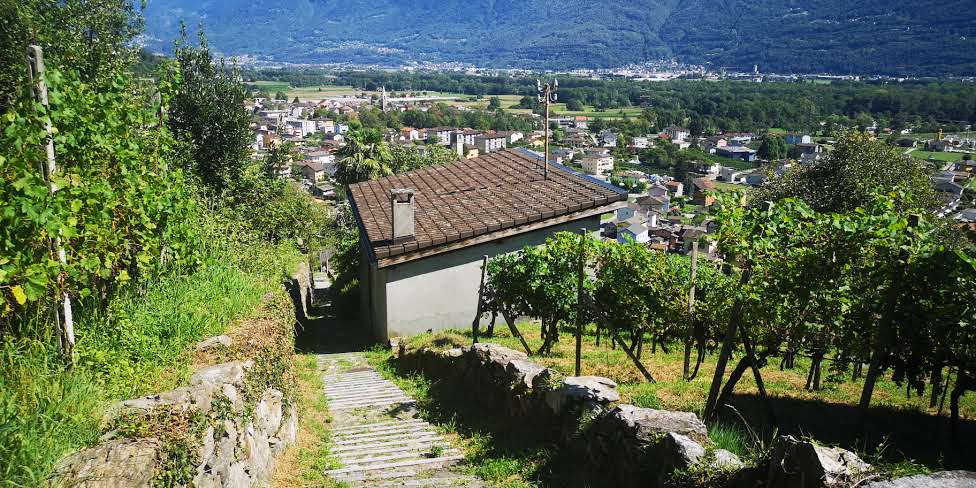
(63, 317)
(547, 95)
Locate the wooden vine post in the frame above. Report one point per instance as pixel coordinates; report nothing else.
(481, 300)
(63, 317)
(690, 337)
(579, 301)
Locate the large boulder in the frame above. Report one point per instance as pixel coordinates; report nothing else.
(120, 463)
(942, 479)
(802, 464)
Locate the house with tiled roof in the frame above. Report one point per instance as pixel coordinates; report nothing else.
(423, 233)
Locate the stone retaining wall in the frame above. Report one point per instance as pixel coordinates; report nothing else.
(625, 445)
(225, 429)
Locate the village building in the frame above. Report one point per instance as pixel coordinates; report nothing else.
(423, 233)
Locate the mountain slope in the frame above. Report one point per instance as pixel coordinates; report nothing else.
(899, 36)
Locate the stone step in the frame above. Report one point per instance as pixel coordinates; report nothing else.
(359, 386)
(364, 391)
(364, 394)
(367, 397)
(437, 461)
(375, 425)
(417, 448)
(409, 429)
(393, 457)
(422, 443)
(449, 479)
(402, 438)
(383, 403)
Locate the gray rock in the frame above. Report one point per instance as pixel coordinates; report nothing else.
(214, 343)
(119, 463)
(452, 353)
(236, 477)
(206, 382)
(647, 424)
(493, 353)
(679, 452)
(596, 388)
(942, 479)
(577, 390)
(207, 446)
(802, 464)
(522, 373)
(258, 447)
(232, 372)
(222, 459)
(268, 411)
(180, 398)
(726, 460)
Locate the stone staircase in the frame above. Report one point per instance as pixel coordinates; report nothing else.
(377, 438)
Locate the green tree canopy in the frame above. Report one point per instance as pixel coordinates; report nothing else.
(207, 115)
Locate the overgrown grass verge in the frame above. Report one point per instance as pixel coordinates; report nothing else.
(305, 463)
(139, 343)
(496, 451)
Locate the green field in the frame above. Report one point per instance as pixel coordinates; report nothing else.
(938, 156)
(469, 101)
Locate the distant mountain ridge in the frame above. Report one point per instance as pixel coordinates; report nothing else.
(902, 37)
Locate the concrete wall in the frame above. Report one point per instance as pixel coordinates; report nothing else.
(441, 292)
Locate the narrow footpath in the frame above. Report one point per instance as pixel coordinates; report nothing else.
(377, 438)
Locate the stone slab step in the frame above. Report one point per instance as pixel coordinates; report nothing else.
(423, 442)
(371, 404)
(437, 461)
(419, 449)
(411, 430)
(448, 480)
(406, 455)
(375, 425)
(337, 402)
(387, 437)
(361, 392)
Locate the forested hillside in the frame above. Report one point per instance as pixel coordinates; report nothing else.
(900, 37)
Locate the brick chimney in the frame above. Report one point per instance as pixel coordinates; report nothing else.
(403, 221)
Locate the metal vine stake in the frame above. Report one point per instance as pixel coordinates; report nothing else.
(63, 317)
(547, 95)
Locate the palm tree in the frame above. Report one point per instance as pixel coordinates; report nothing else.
(364, 157)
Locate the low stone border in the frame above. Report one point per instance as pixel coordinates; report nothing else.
(626, 445)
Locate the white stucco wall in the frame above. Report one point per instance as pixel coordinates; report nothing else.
(441, 292)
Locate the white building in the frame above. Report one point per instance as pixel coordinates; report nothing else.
(597, 162)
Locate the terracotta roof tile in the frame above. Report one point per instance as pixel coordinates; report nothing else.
(474, 197)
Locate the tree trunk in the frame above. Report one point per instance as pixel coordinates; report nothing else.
(935, 380)
(698, 363)
(515, 332)
(726, 353)
(737, 372)
(491, 325)
(640, 346)
(640, 367)
(664, 346)
(816, 373)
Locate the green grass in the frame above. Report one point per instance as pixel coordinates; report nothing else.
(938, 156)
(140, 343)
(729, 437)
(305, 464)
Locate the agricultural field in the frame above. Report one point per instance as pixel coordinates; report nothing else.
(938, 156)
